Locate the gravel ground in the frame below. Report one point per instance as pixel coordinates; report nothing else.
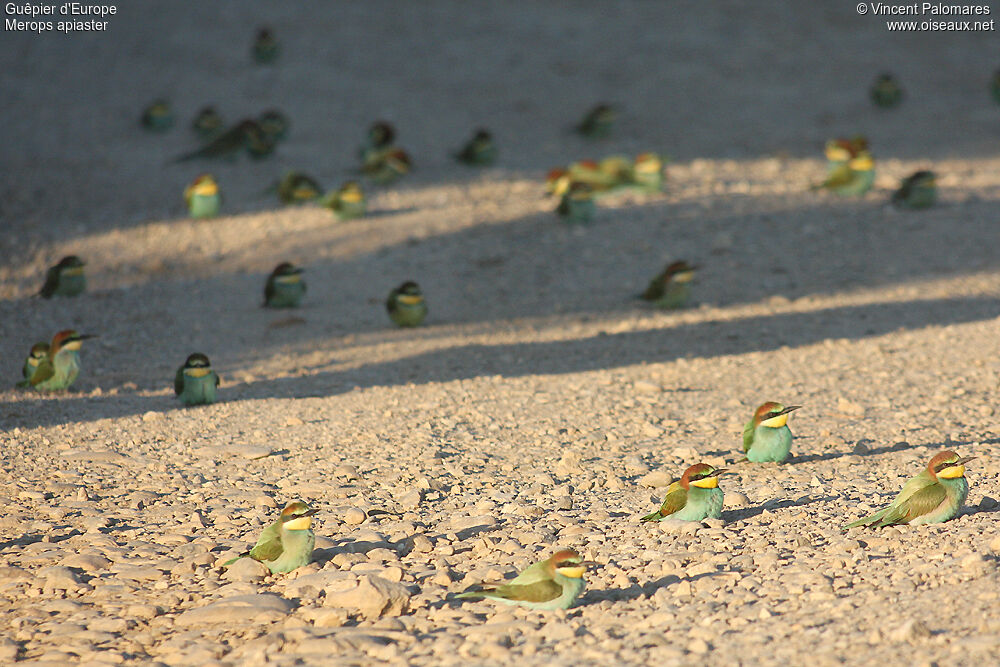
(539, 406)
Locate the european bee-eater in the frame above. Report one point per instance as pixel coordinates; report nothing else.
(297, 188)
(202, 197)
(347, 202)
(62, 365)
(265, 47)
(274, 124)
(480, 150)
(207, 124)
(694, 497)
(918, 190)
(380, 137)
(886, 92)
(933, 496)
(65, 278)
(597, 123)
(387, 166)
(855, 177)
(406, 305)
(672, 287)
(647, 172)
(195, 382)
(158, 116)
(577, 203)
(288, 543)
(841, 151)
(554, 583)
(285, 287)
(766, 437)
(39, 353)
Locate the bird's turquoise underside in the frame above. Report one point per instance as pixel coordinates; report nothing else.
(769, 444)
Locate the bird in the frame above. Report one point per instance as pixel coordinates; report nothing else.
(766, 437)
(840, 151)
(933, 496)
(347, 202)
(671, 288)
(60, 368)
(39, 353)
(296, 187)
(855, 177)
(284, 287)
(554, 583)
(274, 124)
(288, 543)
(65, 278)
(387, 166)
(886, 92)
(577, 203)
(379, 138)
(202, 197)
(158, 116)
(195, 382)
(207, 123)
(647, 172)
(406, 305)
(597, 122)
(480, 150)
(265, 46)
(919, 190)
(247, 134)
(694, 497)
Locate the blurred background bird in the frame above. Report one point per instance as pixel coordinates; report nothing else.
(347, 202)
(195, 382)
(671, 288)
(406, 305)
(60, 368)
(918, 190)
(202, 197)
(274, 124)
(886, 92)
(853, 178)
(65, 278)
(598, 122)
(284, 287)
(479, 151)
(158, 116)
(207, 124)
(296, 187)
(265, 47)
(39, 353)
(577, 203)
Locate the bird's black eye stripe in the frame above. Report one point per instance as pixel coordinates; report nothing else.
(773, 414)
(566, 563)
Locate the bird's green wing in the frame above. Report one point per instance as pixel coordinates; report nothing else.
(179, 381)
(922, 502)
(748, 436)
(674, 501)
(654, 290)
(51, 283)
(44, 371)
(530, 575)
(540, 591)
(268, 289)
(838, 177)
(268, 547)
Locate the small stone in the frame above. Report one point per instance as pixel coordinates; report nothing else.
(422, 544)
(735, 499)
(678, 527)
(346, 471)
(151, 415)
(698, 646)
(850, 408)
(370, 596)
(246, 569)
(682, 589)
(656, 479)
(911, 630)
(564, 503)
(262, 608)
(326, 618)
(410, 500)
(143, 611)
(987, 503)
(354, 516)
(58, 576)
(87, 562)
(995, 545)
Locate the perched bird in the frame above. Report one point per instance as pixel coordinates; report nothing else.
(39, 353)
(406, 305)
(672, 287)
(259, 144)
(855, 177)
(841, 151)
(265, 47)
(158, 116)
(247, 134)
(995, 86)
(597, 123)
(694, 497)
(380, 137)
(347, 202)
(577, 203)
(287, 544)
(274, 124)
(886, 92)
(647, 172)
(297, 188)
(284, 287)
(61, 367)
(919, 190)
(207, 124)
(766, 437)
(65, 278)
(195, 381)
(480, 150)
(202, 197)
(933, 496)
(387, 166)
(554, 583)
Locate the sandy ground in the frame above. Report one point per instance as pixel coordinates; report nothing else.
(539, 406)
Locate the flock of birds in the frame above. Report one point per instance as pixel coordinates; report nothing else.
(934, 495)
